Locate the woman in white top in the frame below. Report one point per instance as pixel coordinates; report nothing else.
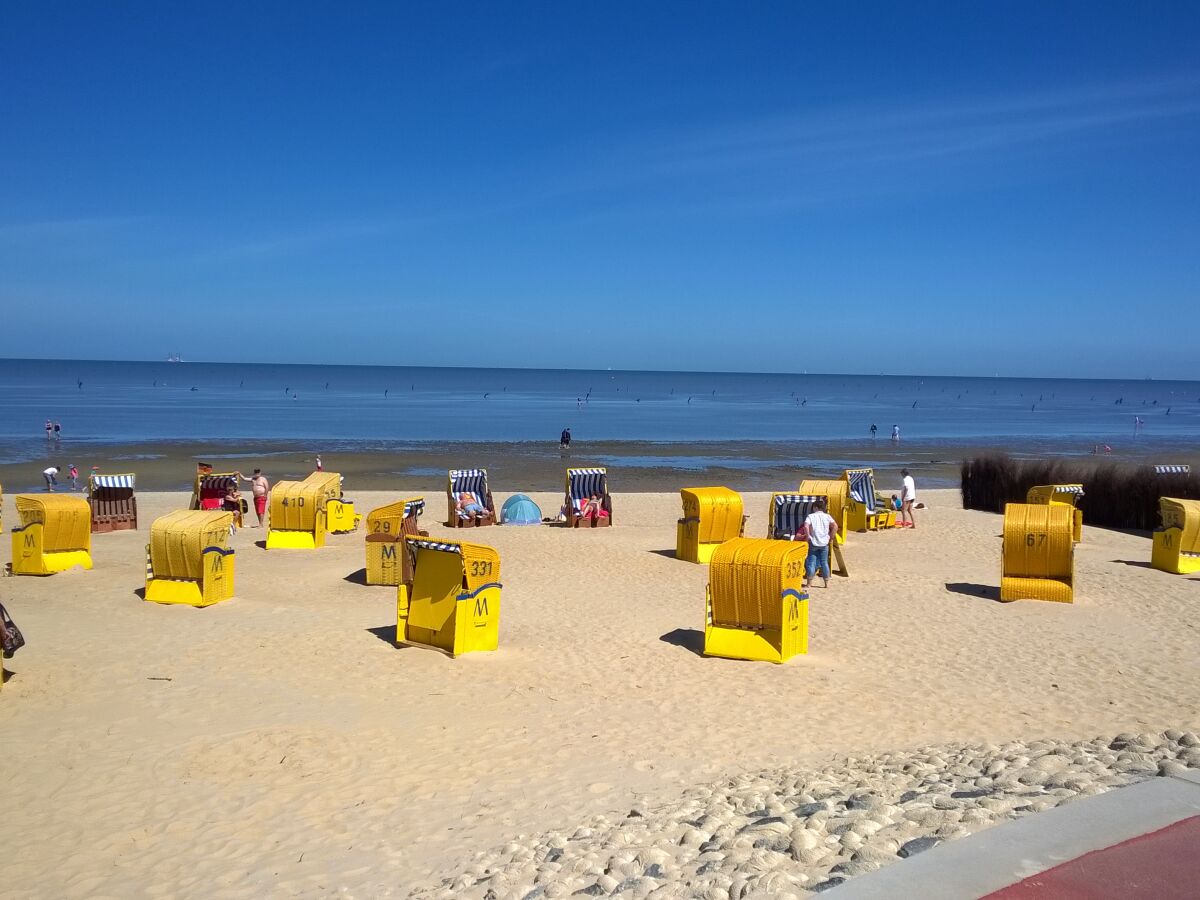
(908, 498)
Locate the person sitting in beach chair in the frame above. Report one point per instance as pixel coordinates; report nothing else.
(593, 509)
(468, 507)
(478, 507)
(234, 503)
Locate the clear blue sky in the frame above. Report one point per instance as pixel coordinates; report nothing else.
(923, 188)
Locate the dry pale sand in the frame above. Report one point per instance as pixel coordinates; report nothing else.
(279, 743)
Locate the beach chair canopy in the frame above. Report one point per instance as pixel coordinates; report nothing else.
(862, 487)
(1185, 515)
(788, 512)
(1057, 493)
(469, 481)
(749, 580)
(66, 521)
(327, 485)
(1172, 470)
(212, 489)
(388, 519)
(178, 541)
(112, 481)
(582, 483)
(520, 510)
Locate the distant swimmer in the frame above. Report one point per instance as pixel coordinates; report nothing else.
(914, 406)
(79, 384)
(327, 385)
(241, 384)
(294, 396)
(485, 396)
(689, 401)
(385, 393)
(895, 432)
(1168, 410)
(804, 402)
(194, 388)
(1033, 407)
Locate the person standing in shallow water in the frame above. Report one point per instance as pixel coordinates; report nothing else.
(874, 429)
(895, 432)
(564, 439)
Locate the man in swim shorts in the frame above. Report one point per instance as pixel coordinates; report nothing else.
(260, 487)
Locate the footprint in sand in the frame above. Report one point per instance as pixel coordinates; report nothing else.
(599, 787)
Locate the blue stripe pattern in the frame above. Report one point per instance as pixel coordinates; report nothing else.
(112, 481)
(414, 507)
(1172, 470)
(862, 487)
(789, 514)
(482, 587)
(585, 482)
(437, 545)
(469, 481)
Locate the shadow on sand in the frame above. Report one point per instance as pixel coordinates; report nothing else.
(687, 638)
(983, 591)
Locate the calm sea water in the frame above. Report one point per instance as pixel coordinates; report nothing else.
(118, 402)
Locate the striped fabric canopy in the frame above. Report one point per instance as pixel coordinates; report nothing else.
(582, 483)
(473, 481)
(437, 545)
(414, 507)
(862, 487)
(1069, 489)
(217, 482)
(113, 481)
(1172, 470)
(789, 513)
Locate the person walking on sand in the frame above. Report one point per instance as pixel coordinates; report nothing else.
(51, 476)
(896, 433)
(260, 488)
(908, 499)
(73, 472)
(319, 469)
(820, 528)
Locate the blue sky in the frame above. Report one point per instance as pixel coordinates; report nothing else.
(913, 188)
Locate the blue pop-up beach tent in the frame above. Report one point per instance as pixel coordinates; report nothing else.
(520, 510)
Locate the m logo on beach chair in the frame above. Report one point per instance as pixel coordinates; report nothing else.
(55, 534)
(1176, 544)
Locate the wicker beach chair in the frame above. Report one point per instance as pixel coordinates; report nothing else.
(863, 510)
(55, 534)
(1038, 553)
(299, 511)
(188, 560)
(454, 602)
(1062, 494)
(581, 484)
(1176, 544)
(389, 560)
(475, 483)
(836, 492)
(786, 513)
(711, 515)
(340, 517)
(755, 604)
(112, 501)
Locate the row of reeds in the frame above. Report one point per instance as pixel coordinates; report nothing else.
(1116, 495)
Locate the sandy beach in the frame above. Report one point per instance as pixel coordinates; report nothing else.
(280, 744)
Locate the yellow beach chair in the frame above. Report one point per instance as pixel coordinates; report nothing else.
(863, 511)
(581, 484)
(1, 508)
(1038, 554)
(1065, 495)
(1176, 546)
(55, 534)
(711, 515)
(755, 605)
(188, 559)
(454, 603)
(113, 504)
(389, 561)
(787, 513)
(340, 517)
(836, 492)
(475, 483)
(299, 512)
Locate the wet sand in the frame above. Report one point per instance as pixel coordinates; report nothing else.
(539, 466)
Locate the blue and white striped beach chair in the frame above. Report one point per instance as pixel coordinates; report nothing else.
(787, 514)
(475, 483)
(863, 512)
(581, 484)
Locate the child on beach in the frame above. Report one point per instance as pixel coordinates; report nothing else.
(74, 473)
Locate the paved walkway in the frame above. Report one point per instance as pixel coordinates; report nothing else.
(1136, 843)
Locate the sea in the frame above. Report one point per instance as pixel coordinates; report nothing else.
(107, 402)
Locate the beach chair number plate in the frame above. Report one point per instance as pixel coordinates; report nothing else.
(795, 569)
(383, 526)
(297, 501)
(481, 567)
(1035, 540)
